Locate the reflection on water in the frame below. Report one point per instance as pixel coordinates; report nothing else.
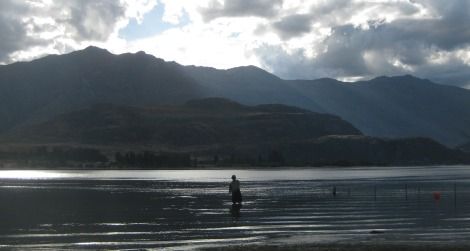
(235, 211)
(191, 209)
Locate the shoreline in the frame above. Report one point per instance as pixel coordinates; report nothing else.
(259, 168)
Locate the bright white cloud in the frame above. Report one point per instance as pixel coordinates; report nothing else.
(202, 45)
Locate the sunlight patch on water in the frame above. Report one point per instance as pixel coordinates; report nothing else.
(31, 174)
(269, 175)
(101, 244)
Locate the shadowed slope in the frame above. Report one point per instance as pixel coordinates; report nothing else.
(396, 107)
(198, 122)
(38, 90)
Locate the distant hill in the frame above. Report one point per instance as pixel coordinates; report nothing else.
(206, 122)
(272, 135)
(395, 107)
(465, 147)
(363, 150)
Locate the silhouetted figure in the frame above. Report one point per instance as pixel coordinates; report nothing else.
(234, 188)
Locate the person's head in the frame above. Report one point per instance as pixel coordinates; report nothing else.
(234, 177)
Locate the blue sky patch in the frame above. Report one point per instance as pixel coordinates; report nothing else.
(152, 24)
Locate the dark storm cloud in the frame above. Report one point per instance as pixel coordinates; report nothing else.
(12, 29)
(241, 8)
(294, 25)
(78, 20)
(90, 19)
(332, 13)
(453, 72)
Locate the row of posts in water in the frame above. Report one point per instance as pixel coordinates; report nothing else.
(436, 195)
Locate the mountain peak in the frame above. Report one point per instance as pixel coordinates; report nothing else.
(94, 49)
(247, 68)
(252, 71)
(406, 77)
(91, 52)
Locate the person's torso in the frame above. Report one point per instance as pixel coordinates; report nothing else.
(235, 185)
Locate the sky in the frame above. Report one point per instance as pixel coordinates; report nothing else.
(294, 39)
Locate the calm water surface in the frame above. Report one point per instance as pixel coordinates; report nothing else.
(191, 209)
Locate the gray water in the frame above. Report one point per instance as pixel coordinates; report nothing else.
(191, 209)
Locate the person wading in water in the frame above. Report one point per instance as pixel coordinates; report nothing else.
(234, 188)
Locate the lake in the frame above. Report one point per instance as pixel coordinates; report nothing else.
(191, 209)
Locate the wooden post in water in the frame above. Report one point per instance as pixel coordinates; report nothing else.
(375, 192)
(419, 196)
(455, 195)
(406, 191)
(419, 193)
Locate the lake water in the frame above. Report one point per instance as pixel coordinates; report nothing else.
(191, 209)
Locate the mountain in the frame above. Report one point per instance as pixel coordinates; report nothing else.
(250, 85)
(396, 107)
(206, 122)
(38, 90)
(234, 133)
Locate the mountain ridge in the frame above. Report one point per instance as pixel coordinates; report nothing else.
(49, 86)
(403, 106)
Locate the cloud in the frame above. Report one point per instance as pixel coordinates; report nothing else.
(14, 31)
(88, 19)
(293, 26)
(202, 45)
(36, 27)
(388, 49)
(427, 40)
(241, 8)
